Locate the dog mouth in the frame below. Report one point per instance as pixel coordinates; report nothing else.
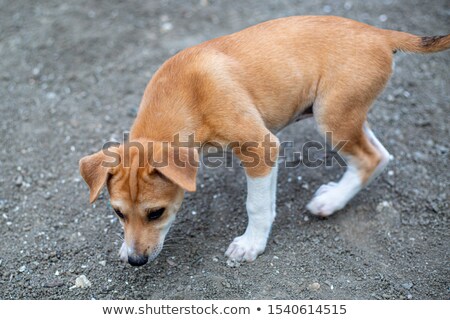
(137, 260)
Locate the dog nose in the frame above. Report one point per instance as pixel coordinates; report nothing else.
(137, 260)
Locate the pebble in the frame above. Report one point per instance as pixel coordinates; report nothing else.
(314, 286)
(407, 285)
(382, 205)
(18, 181)
(132, 112)
(442, 149)
(232, 263)
(383, 18)
(3, 204)
(171, 262)
(81, 282)
(103, 262)
(166, 27)
(22, 269)
(51, 95)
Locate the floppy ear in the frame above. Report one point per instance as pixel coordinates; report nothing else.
(95, 172)
(181, 166)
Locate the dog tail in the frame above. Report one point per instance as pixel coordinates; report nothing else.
(410, 43)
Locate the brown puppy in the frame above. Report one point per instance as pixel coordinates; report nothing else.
(243, 88)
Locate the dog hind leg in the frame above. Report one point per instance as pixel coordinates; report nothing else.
(365, 156)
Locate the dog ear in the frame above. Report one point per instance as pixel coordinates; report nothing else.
(180, 165)
(95, 169)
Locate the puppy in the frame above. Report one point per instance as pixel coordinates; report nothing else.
(243, 88)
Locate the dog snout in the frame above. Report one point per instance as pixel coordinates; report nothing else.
(137, 260)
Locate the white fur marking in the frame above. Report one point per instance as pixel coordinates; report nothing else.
(334, 196)
(123, 254)
(261, 213)
(385, 156)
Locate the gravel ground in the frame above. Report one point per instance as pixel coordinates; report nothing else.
(72, 75)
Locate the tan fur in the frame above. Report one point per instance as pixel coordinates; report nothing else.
(243, 86)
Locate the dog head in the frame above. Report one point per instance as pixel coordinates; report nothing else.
(146, 185)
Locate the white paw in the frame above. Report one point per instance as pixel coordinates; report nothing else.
(327, 200)
(123, 254)
(325, 188)
(244, 248)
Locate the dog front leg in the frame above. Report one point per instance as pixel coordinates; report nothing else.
(261, 213)
(261, 210)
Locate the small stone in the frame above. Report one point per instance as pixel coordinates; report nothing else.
(314, 286)
(3, 204)
(51, 95)
(22, 269)
(103, 262)
(215, 259)
(383, 18)
(171, 262)
(18, 181)
(36, 71)
(166, 27)
(407, 285)
(232, 263)
(382, 205)
(132, 112)
(442, 149)
(81, 282)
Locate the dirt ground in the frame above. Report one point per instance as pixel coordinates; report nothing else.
(72, 75)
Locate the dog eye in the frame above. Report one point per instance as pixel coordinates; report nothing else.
(155, 214)
(119, 214)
